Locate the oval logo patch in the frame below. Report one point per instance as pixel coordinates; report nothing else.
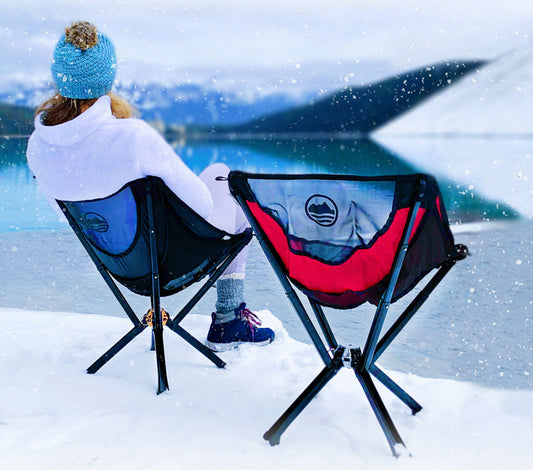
(322, 210)
(96, 222)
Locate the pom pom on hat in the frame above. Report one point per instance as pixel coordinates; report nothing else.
(84, 63)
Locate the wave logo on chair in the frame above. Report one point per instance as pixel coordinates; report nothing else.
(94, 221)
(322, 210)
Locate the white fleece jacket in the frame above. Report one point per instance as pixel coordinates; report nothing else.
(95, 154)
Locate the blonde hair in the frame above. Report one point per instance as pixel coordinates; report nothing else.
(58, 109)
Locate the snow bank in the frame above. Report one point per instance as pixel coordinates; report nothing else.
(495, 100)
(53, 415)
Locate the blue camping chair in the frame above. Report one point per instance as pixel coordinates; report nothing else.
(342, 241)
(145, 238)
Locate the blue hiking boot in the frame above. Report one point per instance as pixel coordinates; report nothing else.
(243, 329)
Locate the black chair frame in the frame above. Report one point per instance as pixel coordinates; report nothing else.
(362, 362)
(157, 318)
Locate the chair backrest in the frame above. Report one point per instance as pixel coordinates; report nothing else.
(117, 230)
(336, 236)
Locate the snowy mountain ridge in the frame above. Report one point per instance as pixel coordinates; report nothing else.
(209, 95)
(177, 104)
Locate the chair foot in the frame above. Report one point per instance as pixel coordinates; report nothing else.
(381, 413)
(328, 372)
(272, 439)
(398, 450)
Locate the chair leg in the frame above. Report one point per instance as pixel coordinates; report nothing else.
(278, 428)
(396, 389)
(162, 380)
(384, 419)
(411, 309)
(120, 344)
(176, 328)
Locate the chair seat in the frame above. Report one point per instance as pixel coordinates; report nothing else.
(345, 262)
(116, 227)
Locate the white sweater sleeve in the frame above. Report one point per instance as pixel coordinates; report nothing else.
(157, 158)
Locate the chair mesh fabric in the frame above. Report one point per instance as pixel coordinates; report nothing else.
(336, 237)
(110, 224)
(188, 247)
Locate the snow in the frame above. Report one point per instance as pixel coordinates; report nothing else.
(477, 132)
(496, 100)
(54, 415)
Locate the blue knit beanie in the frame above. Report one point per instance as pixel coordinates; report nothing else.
(84, 63)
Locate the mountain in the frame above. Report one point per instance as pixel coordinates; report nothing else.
(201, 109)
(497, 100)
(214, 95)
(195, 104)
(320, 209)
(184, 104)
(361, 109)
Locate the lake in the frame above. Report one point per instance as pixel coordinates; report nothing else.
(477, 326)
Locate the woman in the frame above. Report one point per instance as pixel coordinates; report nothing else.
(86, 145)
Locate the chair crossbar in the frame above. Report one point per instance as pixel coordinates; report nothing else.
(411, 309)
(172, 324)
(223, 263)
(162, 379)
(155, 297)
(324, 324)
(273, 435)
(395, 388)
(119, 345)
(100, 267)
(200, 347)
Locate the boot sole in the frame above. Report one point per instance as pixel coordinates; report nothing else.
(219, 347)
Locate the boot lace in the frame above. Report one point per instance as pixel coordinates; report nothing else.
(250, 318)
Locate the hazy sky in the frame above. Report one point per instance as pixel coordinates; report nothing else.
(231, 34)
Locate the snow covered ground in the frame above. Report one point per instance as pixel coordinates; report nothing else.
(53, 415)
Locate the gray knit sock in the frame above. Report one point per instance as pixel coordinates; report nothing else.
(230, 294)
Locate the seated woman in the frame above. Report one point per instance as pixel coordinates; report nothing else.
(86, 145)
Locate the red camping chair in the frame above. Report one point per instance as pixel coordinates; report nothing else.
(343, 241)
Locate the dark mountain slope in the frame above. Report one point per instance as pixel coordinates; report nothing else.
(361, 109)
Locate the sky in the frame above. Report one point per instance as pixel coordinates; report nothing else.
(178, 39)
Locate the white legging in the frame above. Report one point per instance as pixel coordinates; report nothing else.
(227, 214)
